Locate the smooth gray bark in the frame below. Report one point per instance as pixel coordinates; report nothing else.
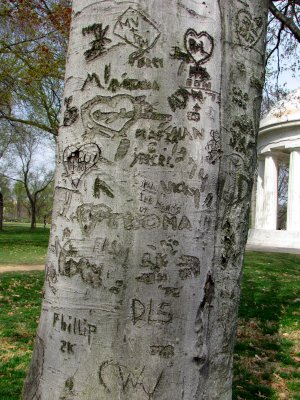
(153, 186)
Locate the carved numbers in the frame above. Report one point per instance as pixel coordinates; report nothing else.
(74, 327)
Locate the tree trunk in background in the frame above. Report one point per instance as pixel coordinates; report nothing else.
(32, 215)
(153, 186)
(1, 211)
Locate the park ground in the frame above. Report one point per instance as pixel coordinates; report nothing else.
(267, 351)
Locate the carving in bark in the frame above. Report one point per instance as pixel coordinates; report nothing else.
(153, 188)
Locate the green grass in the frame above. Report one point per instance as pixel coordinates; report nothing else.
(21, 245)
(20, 301)
(267, 350)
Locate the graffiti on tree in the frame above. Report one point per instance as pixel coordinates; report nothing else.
(101, 45)
(138, 31)
(109, 116)
(117, 378)
(74, 326)
(198, 50)
(89, 215)
(248, 28)
(79, 159)
(71, 113)
(213, 147)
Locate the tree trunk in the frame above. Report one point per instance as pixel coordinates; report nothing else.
(32, 214)
(153, 186)
(1, 211)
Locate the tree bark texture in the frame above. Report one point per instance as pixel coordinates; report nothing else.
(153, 186)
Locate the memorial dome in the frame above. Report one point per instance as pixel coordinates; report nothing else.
(278, 146)
(285, 111)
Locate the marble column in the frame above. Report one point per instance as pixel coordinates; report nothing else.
(259, 203)
(293, 205)
(269, 217)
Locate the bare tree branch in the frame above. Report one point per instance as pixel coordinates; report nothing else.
(13, 179)
(276, 47)
(287, 21)
(45, 186)
(29, 122)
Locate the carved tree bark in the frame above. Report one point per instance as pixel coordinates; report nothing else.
(153, 184)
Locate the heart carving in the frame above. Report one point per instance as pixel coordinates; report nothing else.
(114, 115)
(78, 160)
(249, 29)
(200, 46)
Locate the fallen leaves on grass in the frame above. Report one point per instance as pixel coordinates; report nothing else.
(10, 350)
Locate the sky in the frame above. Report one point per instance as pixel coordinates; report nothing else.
(292, 83)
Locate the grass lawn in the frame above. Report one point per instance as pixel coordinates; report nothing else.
(267, 355)
(20, 301)
(268, 347)
(21, 245)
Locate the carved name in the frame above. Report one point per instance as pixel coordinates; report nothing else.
(118, 378)
(74, 326)
(151, 312)
(90, 215)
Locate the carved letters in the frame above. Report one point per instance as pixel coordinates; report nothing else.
(78, 160)
(138, 31)
(71, 113)
(151, 312)
(142, 139)
(199, 48)
(111, 116)
(89, 216)
(74, 326)
(127, 379)
(214, 147)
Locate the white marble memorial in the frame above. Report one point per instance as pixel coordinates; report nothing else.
(278, 140)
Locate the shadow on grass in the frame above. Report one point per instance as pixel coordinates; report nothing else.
(265, 366)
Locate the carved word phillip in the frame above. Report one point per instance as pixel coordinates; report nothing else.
(74, 326)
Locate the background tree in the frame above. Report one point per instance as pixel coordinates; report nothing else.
(21, 200)
(6, 138)
(44, 202)
(282, 59)
(32, 58)
(29, 167)
(5, 198)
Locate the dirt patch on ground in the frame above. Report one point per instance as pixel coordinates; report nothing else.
(20, 267)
